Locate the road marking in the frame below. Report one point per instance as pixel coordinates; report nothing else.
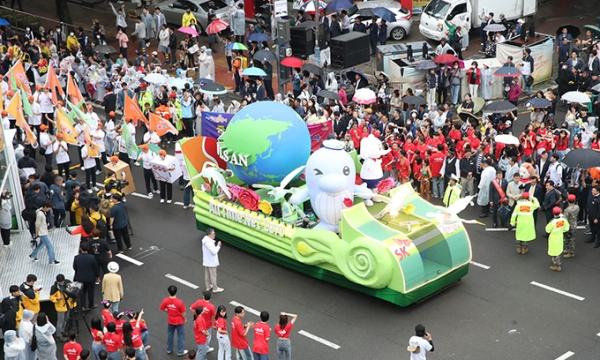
(581, 227)
(145, 253)
(178, 203)
(130, 259)
(598, 334)
(565, 356)
(319, 339)
(141, 195)
(247, 308)
(558, 291)
(475, 263)
(181, 281)
(496, 229)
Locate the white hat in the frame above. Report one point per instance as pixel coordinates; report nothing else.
(113, 267)
(521, 21)
(454, 177)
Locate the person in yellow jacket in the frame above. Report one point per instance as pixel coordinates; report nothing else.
(72, 43)
(556, 229)
(31, 294)
(452, 192)
(146, 98)
(522, 219)
(62, 304)
(188, 19)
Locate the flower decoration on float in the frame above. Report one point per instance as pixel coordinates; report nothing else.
(265, 207)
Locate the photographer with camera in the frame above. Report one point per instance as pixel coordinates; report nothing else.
(63, 303)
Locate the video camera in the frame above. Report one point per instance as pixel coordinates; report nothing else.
(116, 185)
(70, 289)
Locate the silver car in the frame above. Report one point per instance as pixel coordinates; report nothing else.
(397, 30)
(174, 9)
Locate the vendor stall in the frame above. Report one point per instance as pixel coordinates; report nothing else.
(542, 51)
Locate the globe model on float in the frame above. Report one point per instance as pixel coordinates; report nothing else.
(264, 142)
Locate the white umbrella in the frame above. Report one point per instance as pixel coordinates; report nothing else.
(507, 139)
(596, 88)
(364, 96)
(576, 97)
(177, 82)
(156, 78)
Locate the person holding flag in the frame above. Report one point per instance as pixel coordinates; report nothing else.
(89, 153)
(166, 188)
(80, 128)
(46, 145)
(98, 136)
(147, 157)
(35, 119)
(556, 229)
(61, 153)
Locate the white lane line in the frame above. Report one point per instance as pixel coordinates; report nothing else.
(598, 334)
(558, 291)
(247, 308)
(475, 263)
(319, 339)
(496, 229)
(131, 260)
(581, 227)
(178, 203)
(141, 195)
(181, 281)
(565, 356)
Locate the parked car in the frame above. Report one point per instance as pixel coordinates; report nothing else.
(397, 30)
(174, 9)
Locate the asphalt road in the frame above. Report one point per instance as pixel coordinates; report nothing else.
(494, 312)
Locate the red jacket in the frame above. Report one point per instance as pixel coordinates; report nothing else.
(474, 76)
(436, 161)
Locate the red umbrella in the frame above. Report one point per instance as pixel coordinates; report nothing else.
(445, 59)
(216, 26)
(292, 62)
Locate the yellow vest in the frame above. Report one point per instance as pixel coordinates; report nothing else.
(32, 304)
(188, 19)
(60, 304)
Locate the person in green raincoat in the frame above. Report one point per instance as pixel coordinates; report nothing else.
(146, 97)
(522, 219)
(556, 229)
(452, 192)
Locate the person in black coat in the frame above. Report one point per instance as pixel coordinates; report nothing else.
(383, 32)
(87, 272)
(359, 26)
(593, 209)
(495, 197)
(110, 100)
(334, 27)
(10, 307)
(373, 34)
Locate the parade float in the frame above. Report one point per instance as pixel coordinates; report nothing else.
(263, 191)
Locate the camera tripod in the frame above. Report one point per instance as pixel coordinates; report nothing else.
(73, 316)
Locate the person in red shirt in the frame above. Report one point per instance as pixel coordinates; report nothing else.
(175, 309)
(112, 342)
(403, 168)
(107, 316)
(238, 334)
(283, 330)
(436, 163)
(132, 338)
(262, 335)
(222, 337)
(72, 349)
(97, 336)
(201, 333)
(208, 313)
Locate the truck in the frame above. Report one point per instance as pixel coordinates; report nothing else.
(469, 14)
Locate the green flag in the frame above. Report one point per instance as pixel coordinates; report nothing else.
(26, 105)
(132, 148)
(81, 115)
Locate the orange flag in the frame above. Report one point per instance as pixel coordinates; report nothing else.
(64, 127)
(161, 126)
(17, 71)
(131, 111)
(92, 148)
(73, 91)
(53, 84)
(15, 109)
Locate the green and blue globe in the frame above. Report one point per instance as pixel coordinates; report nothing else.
(264, 142)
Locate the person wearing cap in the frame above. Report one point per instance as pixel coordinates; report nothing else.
(112, 286)
(420, 344)
(571, 212)
(45, 142)
(522, 219)
(452, 191)
(147, 157)
(166, 188)
(556, 229)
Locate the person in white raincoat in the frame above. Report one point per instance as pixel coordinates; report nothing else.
(14, 347)
(44, 333)
(488, 174)
(487, 78)
(26, 333)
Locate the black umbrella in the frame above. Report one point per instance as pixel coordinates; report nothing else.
(204, 81)
(328, 94)
(312, 68)
(213, 88)
(426, 65)
(366, 12)
(571, 29)
(351, 75)
(414, 100)
(499, 107)
(507, 71)
(105, 49)
(264, 56)
(467, 116)
(539, 103)
(585, 158)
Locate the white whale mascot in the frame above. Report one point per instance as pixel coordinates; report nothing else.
(371, 151)
(330, 183)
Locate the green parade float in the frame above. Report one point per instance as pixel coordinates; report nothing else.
(303, 211)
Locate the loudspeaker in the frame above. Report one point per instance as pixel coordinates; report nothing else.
(283, 30)
(302, 41)
(349, 49)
